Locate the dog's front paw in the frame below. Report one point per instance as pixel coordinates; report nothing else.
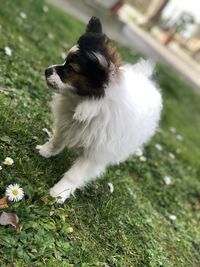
(44, 150)
(61, 193)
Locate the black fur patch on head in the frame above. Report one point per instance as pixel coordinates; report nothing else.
(92, 43)
(96, 76)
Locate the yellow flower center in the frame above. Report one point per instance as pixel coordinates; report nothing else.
(15, 192)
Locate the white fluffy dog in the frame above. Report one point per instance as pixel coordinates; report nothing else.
(105, 109)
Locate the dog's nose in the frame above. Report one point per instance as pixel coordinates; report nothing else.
(48, 72)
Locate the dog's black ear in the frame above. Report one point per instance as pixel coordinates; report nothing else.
(94, 25)
(97, 58)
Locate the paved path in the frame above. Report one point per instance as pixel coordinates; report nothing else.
(131, 35)
(188, 69)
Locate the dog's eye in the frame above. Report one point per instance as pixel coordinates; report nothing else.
(68, 69)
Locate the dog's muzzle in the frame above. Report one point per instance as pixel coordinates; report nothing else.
(48, 72)
(49, 80)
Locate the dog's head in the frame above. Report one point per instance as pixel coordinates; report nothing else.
(88, 65)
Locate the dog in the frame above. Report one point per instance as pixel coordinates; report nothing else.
(104, 108)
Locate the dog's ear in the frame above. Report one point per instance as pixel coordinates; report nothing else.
(98, 58)
(94, 26)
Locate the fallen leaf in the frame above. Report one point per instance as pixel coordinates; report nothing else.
(5, 139)
(5, 91)
(196, 204)
(51, 213)
(9, 218)
(34, 250)
(45, 200)
(4, 202)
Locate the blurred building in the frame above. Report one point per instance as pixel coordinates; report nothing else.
(141, 5)
(194, 44)
(171, 20)
(154, 11)
(113, 5)
(105, 3)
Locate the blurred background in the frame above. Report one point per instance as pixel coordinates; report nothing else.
(166, 30)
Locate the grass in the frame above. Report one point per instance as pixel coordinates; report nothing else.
(131, 226)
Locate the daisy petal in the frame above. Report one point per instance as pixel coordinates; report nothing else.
(143, 159)
(158, 147)
(111, 187)
(45, 9)
(8, 51)
(172, 130)
(23, 15)
(172, 217)
(167, 180)
(179, 137)
(171, 156)
(138, 152)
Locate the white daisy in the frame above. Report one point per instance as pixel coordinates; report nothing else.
(14, 192)
(23, 15)
(20, 39)
(111, 187)
(63, 55)
(138, 152)
(158, 147)
(142, 158)
(0, 168)
(8, 161)
(50, 35)
(131, 192)
(172, 217)
(45, 9)
(66, 45)
(172, 130)
(167, 180)
(179, 137)
(171, 156)
(8, 51)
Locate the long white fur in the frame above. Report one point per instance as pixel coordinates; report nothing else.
(108, 130)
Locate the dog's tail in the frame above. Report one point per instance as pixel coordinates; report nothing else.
(144, 67)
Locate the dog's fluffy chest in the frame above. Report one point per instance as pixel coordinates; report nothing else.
(81, 121)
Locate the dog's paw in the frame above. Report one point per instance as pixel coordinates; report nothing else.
(61, 193)
(44, 151)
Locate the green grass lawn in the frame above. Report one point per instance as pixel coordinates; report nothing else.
(132, 225)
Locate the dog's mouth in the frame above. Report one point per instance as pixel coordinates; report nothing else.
(52, 85)
(58, 87)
